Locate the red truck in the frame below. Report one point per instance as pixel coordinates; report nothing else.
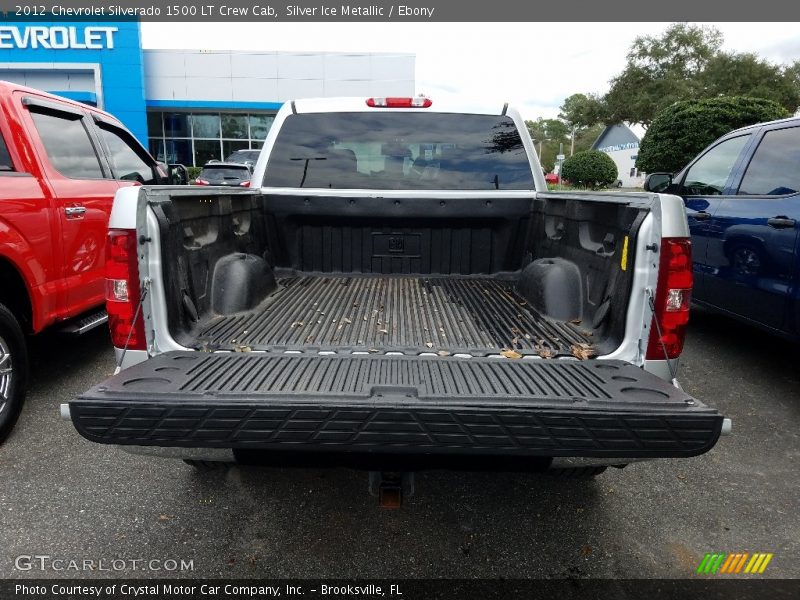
(61, 163)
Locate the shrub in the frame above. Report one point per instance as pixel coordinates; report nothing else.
(194, 172)
(591, 168)
(681, 131)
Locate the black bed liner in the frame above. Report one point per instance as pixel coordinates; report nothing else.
(397, 405)
(421, 314)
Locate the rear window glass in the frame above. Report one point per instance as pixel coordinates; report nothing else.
(220, 173)
(243, 155)
(408, 150)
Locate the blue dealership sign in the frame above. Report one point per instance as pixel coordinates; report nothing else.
(111, 51)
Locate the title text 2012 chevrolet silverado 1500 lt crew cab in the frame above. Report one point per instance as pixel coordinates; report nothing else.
(61, 163)
(398, 291)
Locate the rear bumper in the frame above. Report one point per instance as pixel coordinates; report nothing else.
(409, 406)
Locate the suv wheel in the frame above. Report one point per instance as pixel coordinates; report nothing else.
(13, 371)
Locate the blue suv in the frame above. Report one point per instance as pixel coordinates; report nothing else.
(742, 197)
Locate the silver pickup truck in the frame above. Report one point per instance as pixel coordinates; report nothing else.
(398, 290)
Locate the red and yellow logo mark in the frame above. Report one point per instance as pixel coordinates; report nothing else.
(720, 563)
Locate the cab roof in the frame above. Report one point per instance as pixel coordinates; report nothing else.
(359, 104)
(9, 87)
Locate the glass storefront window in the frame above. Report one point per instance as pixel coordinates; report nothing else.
(259, 126)
(228, 146)
(205, 126)
(194, 139)
(206, 150)
(234, 126)
(155, 126)
(172, 151)
(176, 125)
(178, 151)
(156, 149)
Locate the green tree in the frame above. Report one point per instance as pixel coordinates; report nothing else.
(686, 62)
(748, 75)
(590, 168)
(682, 130)
(547, 129)
(584, 138)
(661, 71)
(581, 111)
(548, 135)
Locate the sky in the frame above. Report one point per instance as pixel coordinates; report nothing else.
(532, 65)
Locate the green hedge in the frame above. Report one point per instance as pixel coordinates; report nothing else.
(194, 172)
(681, 131)
(591, 169)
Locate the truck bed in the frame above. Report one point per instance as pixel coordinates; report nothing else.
(474, 315)
(478, 276)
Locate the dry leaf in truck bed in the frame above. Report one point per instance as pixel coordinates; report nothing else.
(297, 324)
(545, 353)
(575, 321)
(242, 349)
(443, 353)
(583, 351)
(429, 344)
(511, 354)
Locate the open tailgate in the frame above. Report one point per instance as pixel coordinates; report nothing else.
(396, 404)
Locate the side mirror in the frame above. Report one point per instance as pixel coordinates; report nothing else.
(657, 182)
(178, 175)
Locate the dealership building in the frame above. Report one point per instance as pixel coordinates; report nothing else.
(622, 145)
(187, 106)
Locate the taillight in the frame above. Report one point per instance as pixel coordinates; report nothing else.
(671, 302)
(122, 290)
(199, 181)
(417, 102)
(244, 184)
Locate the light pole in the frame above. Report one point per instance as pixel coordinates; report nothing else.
(535, 141)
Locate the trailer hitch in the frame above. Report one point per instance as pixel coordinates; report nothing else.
(391, 487)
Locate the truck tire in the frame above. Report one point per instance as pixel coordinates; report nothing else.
(13, 371)
(576, 472)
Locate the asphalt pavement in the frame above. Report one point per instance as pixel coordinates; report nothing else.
(71, 500)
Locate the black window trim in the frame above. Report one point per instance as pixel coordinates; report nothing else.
(71, 114)
(30, 102)
(103, 123)
(758, 139)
